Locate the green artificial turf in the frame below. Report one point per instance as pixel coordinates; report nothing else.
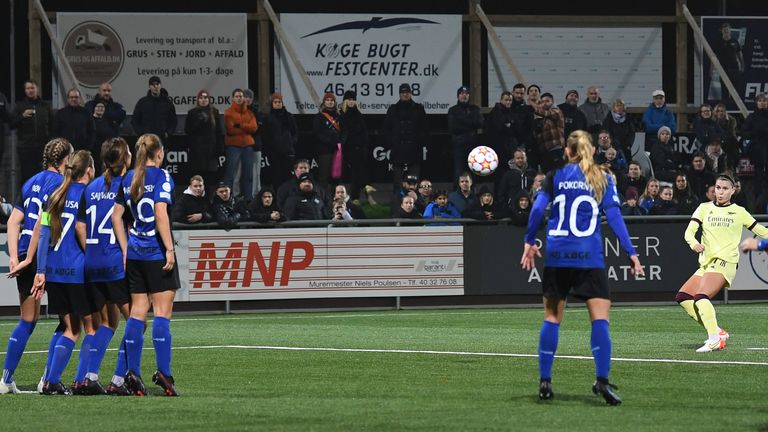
(480, 374)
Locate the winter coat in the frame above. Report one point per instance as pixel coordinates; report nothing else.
(74, 123)
(35, 131)
(154, 114)
(189, 204)
(114, 113)
(460, 201)
(327, 132)
(229, 213)
(401, 214)
(755, 127)
(523, 115)
(513, 182)
(666, 162)
(518, 215)
(699, 181)
(625, 183)
(595, 113)
(501, 130)
(262, 214)
(654, 118)
(622, 133)
(434, 211)
(280, 133)
(306, 206)
(686, 201)
(102, 131)
(240, 125)
(476, 211)
(407, 131)
(464, 119)
(706, 130)
(258, 143)
(636, 210)
(664, 208)
(573, 119)
(354, 134)
(549, 129)
(205, 134)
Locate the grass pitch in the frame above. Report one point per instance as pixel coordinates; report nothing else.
(469, 369)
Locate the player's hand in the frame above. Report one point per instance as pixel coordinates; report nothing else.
(749, 245)
(698, 248)
(530, 252)
(637, 268)
(170, 260)
(17, 267)
(38, 286)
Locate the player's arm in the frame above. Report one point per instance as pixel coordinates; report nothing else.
(760, 230)
(164, 229)
(530, 249)
(13, 230)
(693, 226)
(119, 228)
(44, 240)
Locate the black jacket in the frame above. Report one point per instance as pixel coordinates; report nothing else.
(622, 134)
(464, 119)
(189, 204)
(74, 123)
(113, 112)
(755, 127)
(34, 131)
(306, 206)
(501, 130)
(229, 213)
(102, 131)
(205, 137)
(262, 214)
(666, 162)
(699, 181)
(573, 118)
(280, 133)
(513, 182)
(407, 131)
(354, 134)
(523, 117)
(519, 216)
(155, 115)
(326, 133)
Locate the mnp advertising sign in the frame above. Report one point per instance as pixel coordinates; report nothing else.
(372, 55)
(740, 44)
(188, 52)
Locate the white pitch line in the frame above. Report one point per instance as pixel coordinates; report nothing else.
(757, 349)
(449, 353)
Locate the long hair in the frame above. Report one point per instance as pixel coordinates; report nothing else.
(55, 152)
(114, 157)
(147, 147)
(77, 166)
(646, 193)
(581, 151)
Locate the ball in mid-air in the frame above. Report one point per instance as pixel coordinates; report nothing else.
(483, 160)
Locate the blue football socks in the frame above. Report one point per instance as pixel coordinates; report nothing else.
(601, 348)
(134, 343)
(61, 353)
(161, 337)
(16, 344)
(550, 333)
(101, 341)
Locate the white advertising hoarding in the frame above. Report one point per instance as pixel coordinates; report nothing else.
(623, 62)
(372, 55)
(188, 52)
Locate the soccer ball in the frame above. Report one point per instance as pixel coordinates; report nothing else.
(483, 160)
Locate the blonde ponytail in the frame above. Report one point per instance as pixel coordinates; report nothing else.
(580, 150)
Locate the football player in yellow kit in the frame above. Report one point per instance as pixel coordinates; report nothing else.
(721, 222)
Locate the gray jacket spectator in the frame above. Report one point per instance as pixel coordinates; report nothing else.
(155, 113)
(595, 110)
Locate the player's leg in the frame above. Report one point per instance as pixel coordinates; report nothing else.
(162, 339)
(117, 386)
(555, 286)
(90, 323)
(600, 342)
(685, 297)
(134, 342)
(711, 284)
(17, 342)
(62, 353)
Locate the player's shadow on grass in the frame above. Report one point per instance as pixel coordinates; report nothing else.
(586, 399)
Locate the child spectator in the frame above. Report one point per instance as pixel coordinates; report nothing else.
(441, 208)
(521, 209)
(340, 210)
(665, 204)
(484, 207)
(629, 207)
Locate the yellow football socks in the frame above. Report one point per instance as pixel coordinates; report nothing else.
(707, 316)
(690, 308)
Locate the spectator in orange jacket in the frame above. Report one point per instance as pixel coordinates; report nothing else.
(240, 124)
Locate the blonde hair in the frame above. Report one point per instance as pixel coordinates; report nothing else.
(580, 151)
(645, 192)
(77, 166)
(147, 147)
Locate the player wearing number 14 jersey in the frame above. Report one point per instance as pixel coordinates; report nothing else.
(579, 192)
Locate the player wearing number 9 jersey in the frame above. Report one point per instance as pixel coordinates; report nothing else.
(22, 249)
(579, 192)
(104, 270)
(150, 261)
(60, 265)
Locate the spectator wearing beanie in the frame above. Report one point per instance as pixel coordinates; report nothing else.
(629, 207)
(280, 137)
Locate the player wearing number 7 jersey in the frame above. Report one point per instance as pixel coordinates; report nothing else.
(21, 249)
(574, 262)
(151, 268)
(104, 269)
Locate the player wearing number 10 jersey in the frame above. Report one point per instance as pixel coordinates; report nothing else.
(150, 267)
(574, 262)
(104, 268)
